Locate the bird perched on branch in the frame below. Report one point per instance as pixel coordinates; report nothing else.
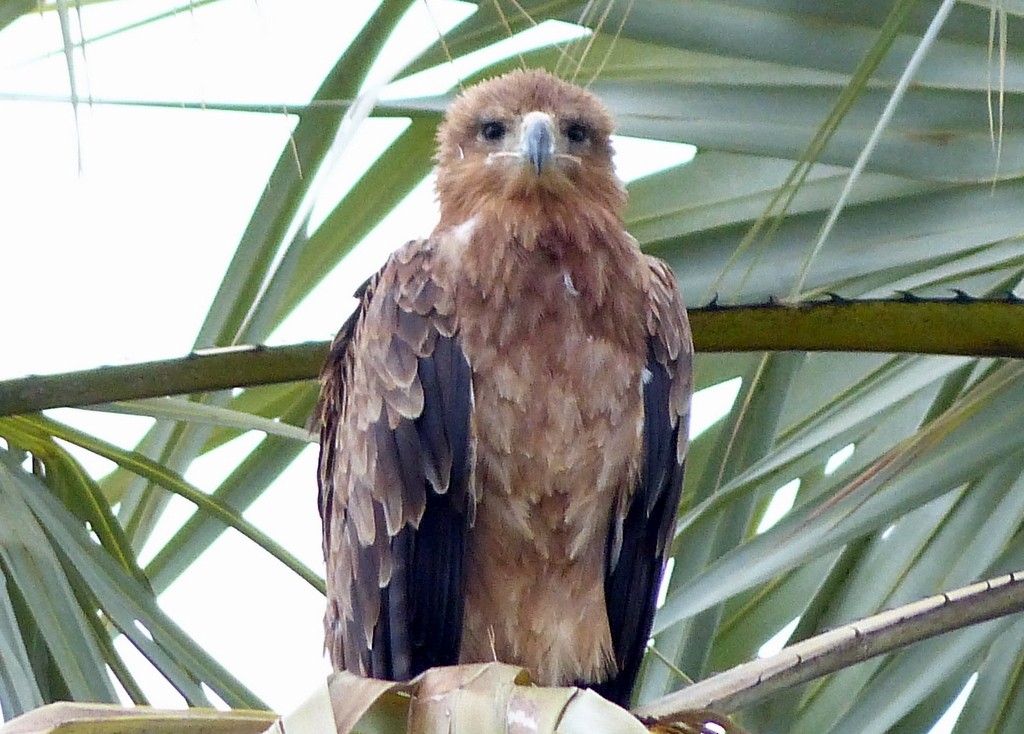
(504, 418)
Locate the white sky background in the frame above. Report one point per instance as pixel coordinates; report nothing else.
(119, 261)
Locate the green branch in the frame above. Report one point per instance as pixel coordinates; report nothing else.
(209, 369)
(962, 326)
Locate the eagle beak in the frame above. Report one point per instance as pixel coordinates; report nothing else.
(537, 139)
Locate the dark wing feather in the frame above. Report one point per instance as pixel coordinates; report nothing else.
(639, 539)
(394, 475)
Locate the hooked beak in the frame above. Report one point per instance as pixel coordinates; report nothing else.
(537, 140)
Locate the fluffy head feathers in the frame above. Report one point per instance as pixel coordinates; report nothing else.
(530, 140)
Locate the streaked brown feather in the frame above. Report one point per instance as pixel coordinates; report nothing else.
(374, 468)
(570, 469)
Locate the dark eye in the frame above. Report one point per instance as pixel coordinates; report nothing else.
(577, 132)
(492, 130)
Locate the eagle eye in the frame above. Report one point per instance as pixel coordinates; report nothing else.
(577, 132)
(492, 130)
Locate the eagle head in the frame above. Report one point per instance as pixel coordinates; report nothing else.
(529, 138)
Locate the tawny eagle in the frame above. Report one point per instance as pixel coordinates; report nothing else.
(504, 418)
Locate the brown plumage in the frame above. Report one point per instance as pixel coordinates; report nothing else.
(504, 417)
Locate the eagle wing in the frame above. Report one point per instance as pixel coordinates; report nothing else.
(395, 459)
(643, 526)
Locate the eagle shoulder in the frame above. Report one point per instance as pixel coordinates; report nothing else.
(669, 330)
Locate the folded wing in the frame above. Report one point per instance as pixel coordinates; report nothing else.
(641, 532)
(395, 460)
